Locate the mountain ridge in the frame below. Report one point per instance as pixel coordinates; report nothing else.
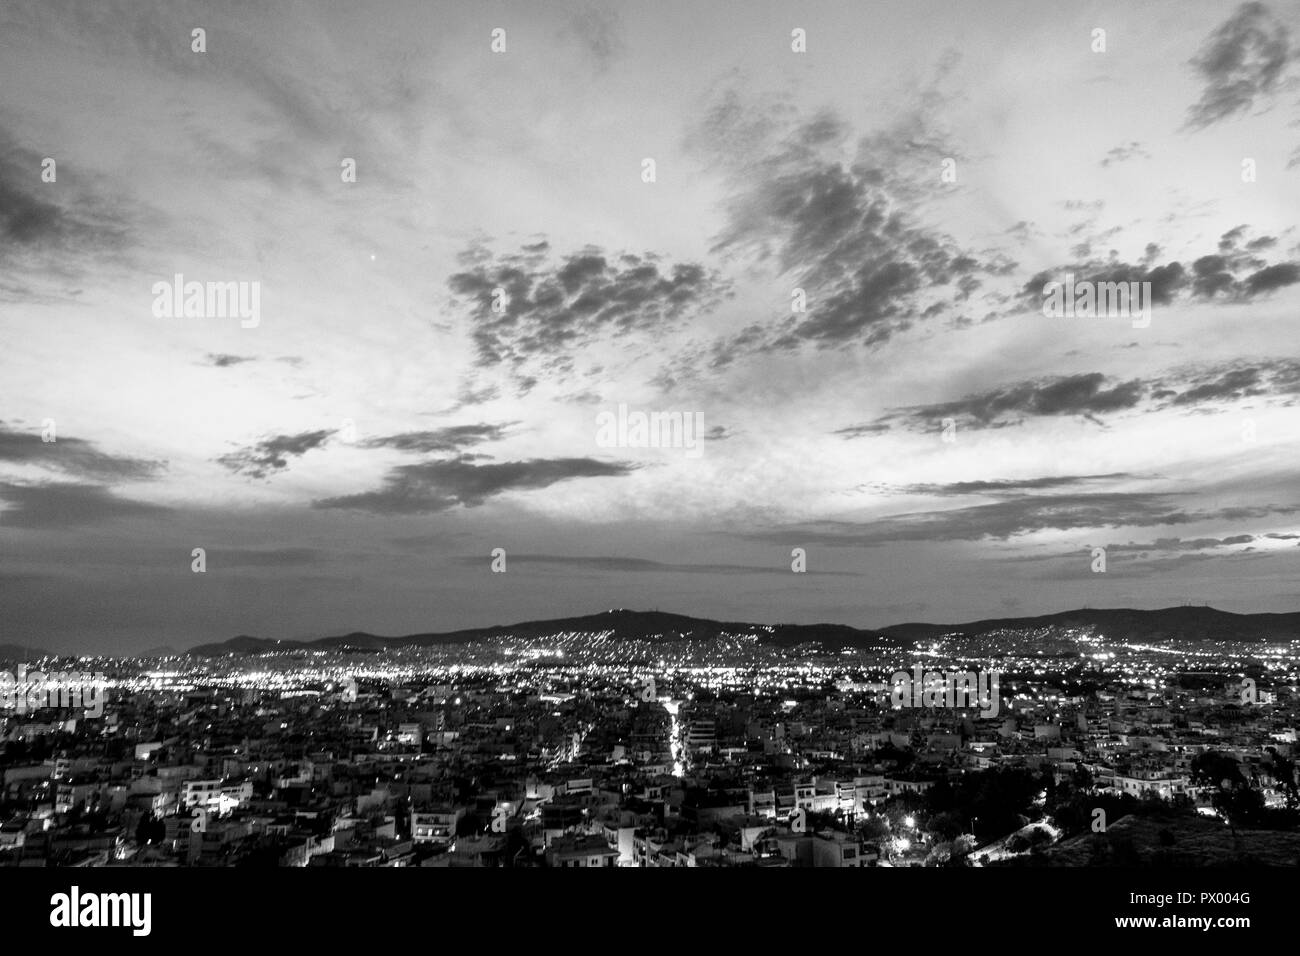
(1184, 622)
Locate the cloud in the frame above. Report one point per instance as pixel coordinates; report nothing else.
(549, 311)
(844, 228)
(52, 225)
(450, 439)
(1094, 396)
(267, 62)
(1009, 518)
(72, 456)
(1234, 381)
(1119, 154)
(468, 395)
(863, 430)
(644, 565)
(1178, 544)
(1273, 277)
(435, 486)
(1241, 62)
(225, 361)
(1136, 559)
(273, 454)
(1231, 274)
(64, 505)
(1008, 486)
(1086, 394)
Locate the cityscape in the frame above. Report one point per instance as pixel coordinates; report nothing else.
(629, 739)
(464, 437)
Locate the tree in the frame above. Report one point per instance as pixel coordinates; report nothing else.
(874, 829)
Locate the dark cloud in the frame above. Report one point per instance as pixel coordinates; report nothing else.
(860, 431)
(55, 227)
(1119, 154)
(449, 439)
(225, 361)
(26, 219)
(1273, 277)
(645, 565)
(845, 231)
(1233, 273)
(1178, 544)
(1015, 516)
(1241, 62)
(1136, 559)
(1094, 396)
(1147, 565)
(73, 456)
(1166, 281)
(1196, 385)
(273, 454)
(51, 505)
(430, 487)
(1087, 394)
(551, 311)
(1006, 486)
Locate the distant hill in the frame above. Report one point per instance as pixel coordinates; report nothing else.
(626, 625)
(1185, 624)
(243, 644)
(1188, 625)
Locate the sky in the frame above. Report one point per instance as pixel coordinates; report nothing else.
(438, 335)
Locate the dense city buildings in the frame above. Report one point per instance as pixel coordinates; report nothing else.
(587, 748)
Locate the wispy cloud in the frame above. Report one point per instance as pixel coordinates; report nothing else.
(1020, 515)
(436, 486)
(66, 505)
(643, 565)
(72, 456)
(226, 361)
(273, 454)
(61, 227)
(848, 233)
(531, 313)
(1120, 154)
(1240, 64)
(449, 439)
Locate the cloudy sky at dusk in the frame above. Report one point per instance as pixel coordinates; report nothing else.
(351, 461)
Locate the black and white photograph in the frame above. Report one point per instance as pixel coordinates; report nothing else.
(498, 434)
